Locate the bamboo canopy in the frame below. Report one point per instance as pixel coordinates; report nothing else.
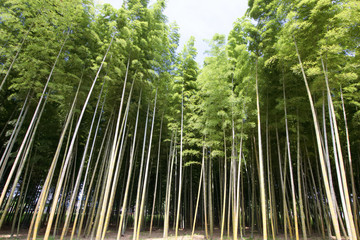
(108, 131)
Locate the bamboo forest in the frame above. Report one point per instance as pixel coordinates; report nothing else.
(109, 129)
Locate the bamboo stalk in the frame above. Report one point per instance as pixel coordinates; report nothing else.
(181, 165)
(157, 176)
(344, 188)
(44, 193)
(320, 150)
(299, 178)
(137, 204)
(71, 147)
(23, 201)
(114, 153)
(131, 164)
(34, 119)
(119, 161)
(261, 161)
(168, 186)
(197, 199)
(146, 172)
(80, 198)
(74, 194)
(24, 156)
(224, 194)
(90, 186)
(13, 137)
(19, 200)
(354, 198)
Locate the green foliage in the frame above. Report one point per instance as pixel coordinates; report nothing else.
(218, 102)
(142, 38)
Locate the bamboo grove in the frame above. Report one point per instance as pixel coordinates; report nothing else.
(108, 130)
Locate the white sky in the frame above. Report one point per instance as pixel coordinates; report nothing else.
(200, 18)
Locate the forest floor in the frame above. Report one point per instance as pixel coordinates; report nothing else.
(156, 234)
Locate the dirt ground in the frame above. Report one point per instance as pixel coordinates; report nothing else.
(156, 235)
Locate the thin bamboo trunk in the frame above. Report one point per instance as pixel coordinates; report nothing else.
(75, 194)
(23, 201)
(131, 192)
(210, 198)
(268, 159)
(252, 189)
(157, 176)
(180, 167)
(62, 199)
(13, 137)
(142, 205)
(88, 194)
(168, 185)
(305, 188)
(344, 188)
(131, 164)
(90, 223)
(19, 200)
(286, 217)
(230, 202)
(290, 168)
(28, 147)
(71, 147)
(316, 194)
(238, 216)
(113, 154)
(261, 161)
(224, 194)
(327, 159)
(204, 187)
(46, 187)
(197, 200)
(191, 201)
(84, 185)
(299, 178)
(33, 122)
(320, 150)
(140, 185)
(95, 223)
(61, 206)
(123, 130)
(354, 194)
